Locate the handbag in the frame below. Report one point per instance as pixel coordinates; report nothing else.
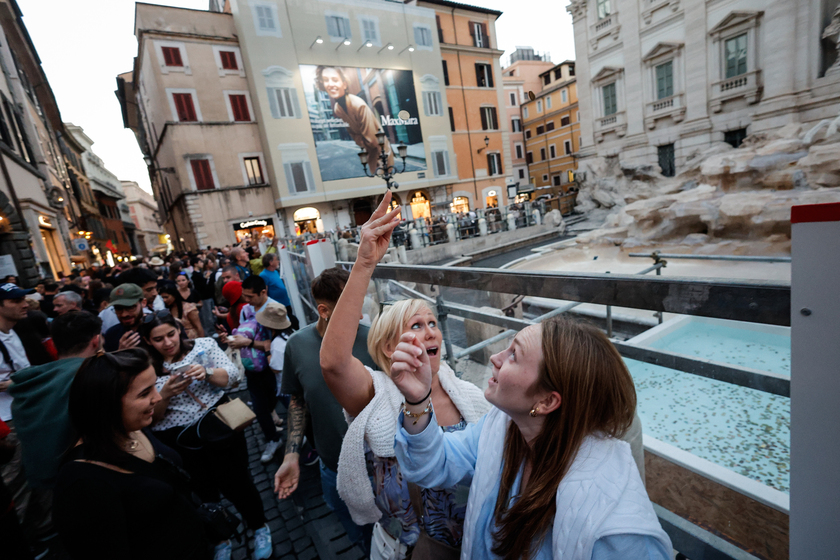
(213, 427)
(219, 523)
(426, 547)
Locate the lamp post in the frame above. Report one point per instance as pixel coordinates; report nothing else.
(383, 170)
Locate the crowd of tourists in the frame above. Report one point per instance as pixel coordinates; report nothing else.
(121, 419)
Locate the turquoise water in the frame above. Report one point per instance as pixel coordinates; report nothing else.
(744, 430)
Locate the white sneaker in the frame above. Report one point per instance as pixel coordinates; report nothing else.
(270, 450)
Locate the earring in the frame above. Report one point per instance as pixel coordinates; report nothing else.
(534, 411)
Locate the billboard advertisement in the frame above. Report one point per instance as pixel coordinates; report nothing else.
(348, 106)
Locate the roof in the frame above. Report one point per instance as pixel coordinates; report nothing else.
(555, 67)
(458, 5)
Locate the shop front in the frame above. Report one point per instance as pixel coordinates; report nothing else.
(460, 204)
(53, 245)
(308, 220)
(421, 205)
(492, 199)
(254, 229)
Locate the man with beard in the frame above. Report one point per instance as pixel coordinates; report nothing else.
(130, 306)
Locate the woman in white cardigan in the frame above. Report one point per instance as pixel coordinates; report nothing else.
(373, 403)
(551, 479)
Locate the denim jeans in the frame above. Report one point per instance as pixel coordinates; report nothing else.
(356, 534)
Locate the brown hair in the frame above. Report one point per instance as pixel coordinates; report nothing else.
(599, 397)
(328, 285)
(319, 76)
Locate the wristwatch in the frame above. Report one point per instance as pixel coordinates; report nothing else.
(208, 372)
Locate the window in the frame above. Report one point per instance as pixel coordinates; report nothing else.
(431, 103)
(564, 121)
(557, 179)
(484, 75)
(736, 55)
(445, 73)
(228, 60)
(488, 119)
(202, 174)
(479, 35)
(184, 107)
(552, 152)
(172, 56)
(603, 7)
(265, 19)
(545, 178)
(610, 106)
(284, 103)
(735, 137)
(529, 158)
(564, 96)
(516, 124)
(239, 110)
(571, 70)
(513, 99)
(521, 173)
(423, 36)
(298, 175)
(548, 102)
(666, 159)
(567, 146)
(549, 126)
(370, 29)
(519, 151)
(539, 106)
(558, 74)
(494, 164)
(439, 30)
(440, 160)
(542, 154)
(253, 171)
(525, 112)
(665, 80)
(540, 129)
(527, 133)
(547, 79)
(451, 120)
(338, 27)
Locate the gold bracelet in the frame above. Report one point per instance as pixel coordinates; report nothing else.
(419, 415)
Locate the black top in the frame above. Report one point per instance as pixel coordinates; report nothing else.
(104, 514)
(113, 336)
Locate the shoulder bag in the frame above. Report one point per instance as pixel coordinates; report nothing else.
(428, 548)
(218, 423)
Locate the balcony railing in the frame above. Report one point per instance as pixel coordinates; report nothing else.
(606, 26)
(617, 122)
(746, 85)
(673, 106)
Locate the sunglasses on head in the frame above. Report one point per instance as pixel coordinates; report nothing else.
(162, 314)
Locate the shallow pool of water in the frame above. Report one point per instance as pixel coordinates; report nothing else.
(744, 430)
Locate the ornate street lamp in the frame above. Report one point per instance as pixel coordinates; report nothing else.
(383, 170)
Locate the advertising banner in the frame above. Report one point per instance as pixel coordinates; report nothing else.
(348, 106)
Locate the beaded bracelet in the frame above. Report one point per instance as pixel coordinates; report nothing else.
(418, 415)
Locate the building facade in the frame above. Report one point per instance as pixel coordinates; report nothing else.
(252, 121)
(551, 126)
(664, 79)
(521, 76)
(144, 215)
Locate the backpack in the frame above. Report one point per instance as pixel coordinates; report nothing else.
(253, 359)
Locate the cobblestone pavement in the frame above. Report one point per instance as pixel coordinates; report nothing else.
(302, 527)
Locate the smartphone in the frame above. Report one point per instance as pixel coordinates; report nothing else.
(179, 372)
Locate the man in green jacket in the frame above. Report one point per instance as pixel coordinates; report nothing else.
(41, 394)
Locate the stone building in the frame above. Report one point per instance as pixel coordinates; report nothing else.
(36, 214)
(551, 126)
(521, 75)
(144, 214)
(242, 136)
(660, 80)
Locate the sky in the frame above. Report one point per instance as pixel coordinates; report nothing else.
(84, 44)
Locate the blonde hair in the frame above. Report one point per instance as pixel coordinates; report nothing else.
(389, 325)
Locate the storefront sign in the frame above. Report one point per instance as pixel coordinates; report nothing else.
(80, 245)
(7, 266)
(254, 223)
(44, 221)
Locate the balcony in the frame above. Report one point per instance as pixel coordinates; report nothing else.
(673, 107)
(617, 122)
(746, 85)
(605, 27)
(651, 6)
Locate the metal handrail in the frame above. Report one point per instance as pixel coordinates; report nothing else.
(657, 255)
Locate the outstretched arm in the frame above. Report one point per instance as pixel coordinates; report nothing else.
(344, 374)
(287, 476)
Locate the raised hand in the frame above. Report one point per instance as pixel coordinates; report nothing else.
(376, 233)
(411, 371)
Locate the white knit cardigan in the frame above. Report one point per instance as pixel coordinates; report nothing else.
(377, 424)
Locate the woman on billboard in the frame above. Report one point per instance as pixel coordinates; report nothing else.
(360, 118)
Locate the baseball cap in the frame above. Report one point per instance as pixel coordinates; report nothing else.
(126, 295)
(13, 291)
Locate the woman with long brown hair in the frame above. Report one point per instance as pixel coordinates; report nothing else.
(551, 478)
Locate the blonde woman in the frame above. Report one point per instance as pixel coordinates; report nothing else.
(373, 403)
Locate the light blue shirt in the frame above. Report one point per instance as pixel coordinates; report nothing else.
(433, 459)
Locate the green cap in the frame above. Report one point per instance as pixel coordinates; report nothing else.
(126, 295)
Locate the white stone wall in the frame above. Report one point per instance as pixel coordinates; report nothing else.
(784, 82)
